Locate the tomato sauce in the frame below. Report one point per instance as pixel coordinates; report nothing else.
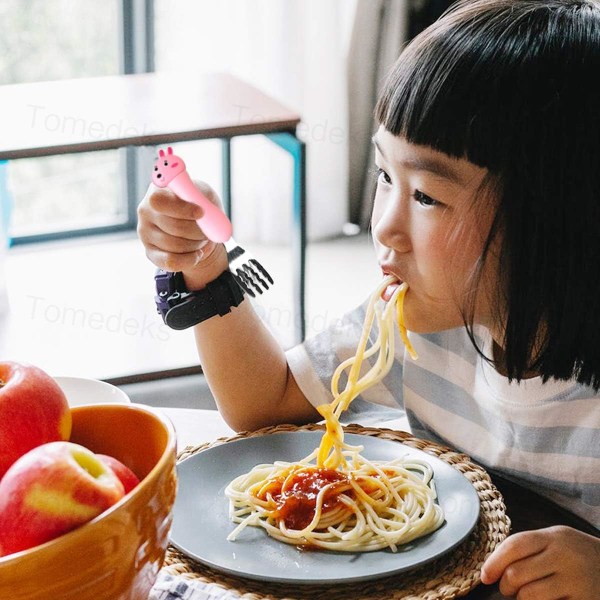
(296, 504)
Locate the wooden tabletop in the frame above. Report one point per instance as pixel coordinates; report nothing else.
(101, 113)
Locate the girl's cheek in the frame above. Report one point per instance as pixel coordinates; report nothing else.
(376, 225)
(376, 212)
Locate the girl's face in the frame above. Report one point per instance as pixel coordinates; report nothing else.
(428, 233)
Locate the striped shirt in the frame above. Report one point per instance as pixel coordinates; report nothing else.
(543, 436)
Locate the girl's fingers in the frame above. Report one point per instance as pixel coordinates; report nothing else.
(526, 571)
(167, 227)
(182, 228)
(165, 202)
(541, 589)
(552, 563)
(155, 236)
(512, 549)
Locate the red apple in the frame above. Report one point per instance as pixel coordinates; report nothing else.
(33, 411)
(127, 477)
(51, 490)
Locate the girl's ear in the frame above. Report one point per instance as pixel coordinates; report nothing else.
(161, 153)
(169, 150)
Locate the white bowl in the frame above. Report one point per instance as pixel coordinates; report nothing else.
(81, 391)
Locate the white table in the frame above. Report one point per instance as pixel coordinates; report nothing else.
(196, 426)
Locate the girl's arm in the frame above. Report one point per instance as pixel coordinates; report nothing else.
(248, 373)
(244, 365)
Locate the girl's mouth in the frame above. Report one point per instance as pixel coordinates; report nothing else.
(395, 283)
(387, 294)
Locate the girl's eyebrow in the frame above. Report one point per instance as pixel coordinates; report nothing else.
(431, 165)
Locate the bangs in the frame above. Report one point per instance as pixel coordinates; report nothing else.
(474, 88)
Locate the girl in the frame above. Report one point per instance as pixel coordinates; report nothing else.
(488, 207)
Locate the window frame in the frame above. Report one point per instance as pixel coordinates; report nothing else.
(136, 55)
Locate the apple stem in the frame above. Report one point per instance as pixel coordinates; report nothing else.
(2, 383)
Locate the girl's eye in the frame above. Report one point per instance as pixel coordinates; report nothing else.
(424, 199)
(383, 176)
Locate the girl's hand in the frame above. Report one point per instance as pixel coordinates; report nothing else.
(546, 564)
(173, 240)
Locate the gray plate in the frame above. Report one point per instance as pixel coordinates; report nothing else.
(201, 521)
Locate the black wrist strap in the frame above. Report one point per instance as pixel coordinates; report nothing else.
(181, 308)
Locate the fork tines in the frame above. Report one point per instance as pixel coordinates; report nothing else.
(249, 273)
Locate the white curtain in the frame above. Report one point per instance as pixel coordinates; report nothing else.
(295, 51)
(379, 33)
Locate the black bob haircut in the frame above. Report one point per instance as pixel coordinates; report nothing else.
(514, 86)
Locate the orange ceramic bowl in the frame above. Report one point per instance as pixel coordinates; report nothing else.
(117, 555)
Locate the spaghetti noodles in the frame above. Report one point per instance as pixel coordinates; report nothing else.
(336, 499)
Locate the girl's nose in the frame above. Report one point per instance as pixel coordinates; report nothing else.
(390, 228)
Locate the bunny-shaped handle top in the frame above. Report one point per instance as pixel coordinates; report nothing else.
(167, 167)
(170, 171)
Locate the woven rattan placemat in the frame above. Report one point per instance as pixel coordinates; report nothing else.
(450, 576)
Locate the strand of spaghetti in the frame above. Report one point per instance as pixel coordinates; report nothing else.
(344, 365)
(382, 366)
(354, 370)
(401, 326)
(355, 364)
(385, 341)
(356, 387)
(356, 361)
(329, 450)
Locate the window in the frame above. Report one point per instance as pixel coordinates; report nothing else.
(43, 40)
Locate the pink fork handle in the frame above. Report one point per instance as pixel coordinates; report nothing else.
(214, 223)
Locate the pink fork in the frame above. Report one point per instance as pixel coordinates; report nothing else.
(170, 171)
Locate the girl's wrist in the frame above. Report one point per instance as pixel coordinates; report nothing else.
(208, 268)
